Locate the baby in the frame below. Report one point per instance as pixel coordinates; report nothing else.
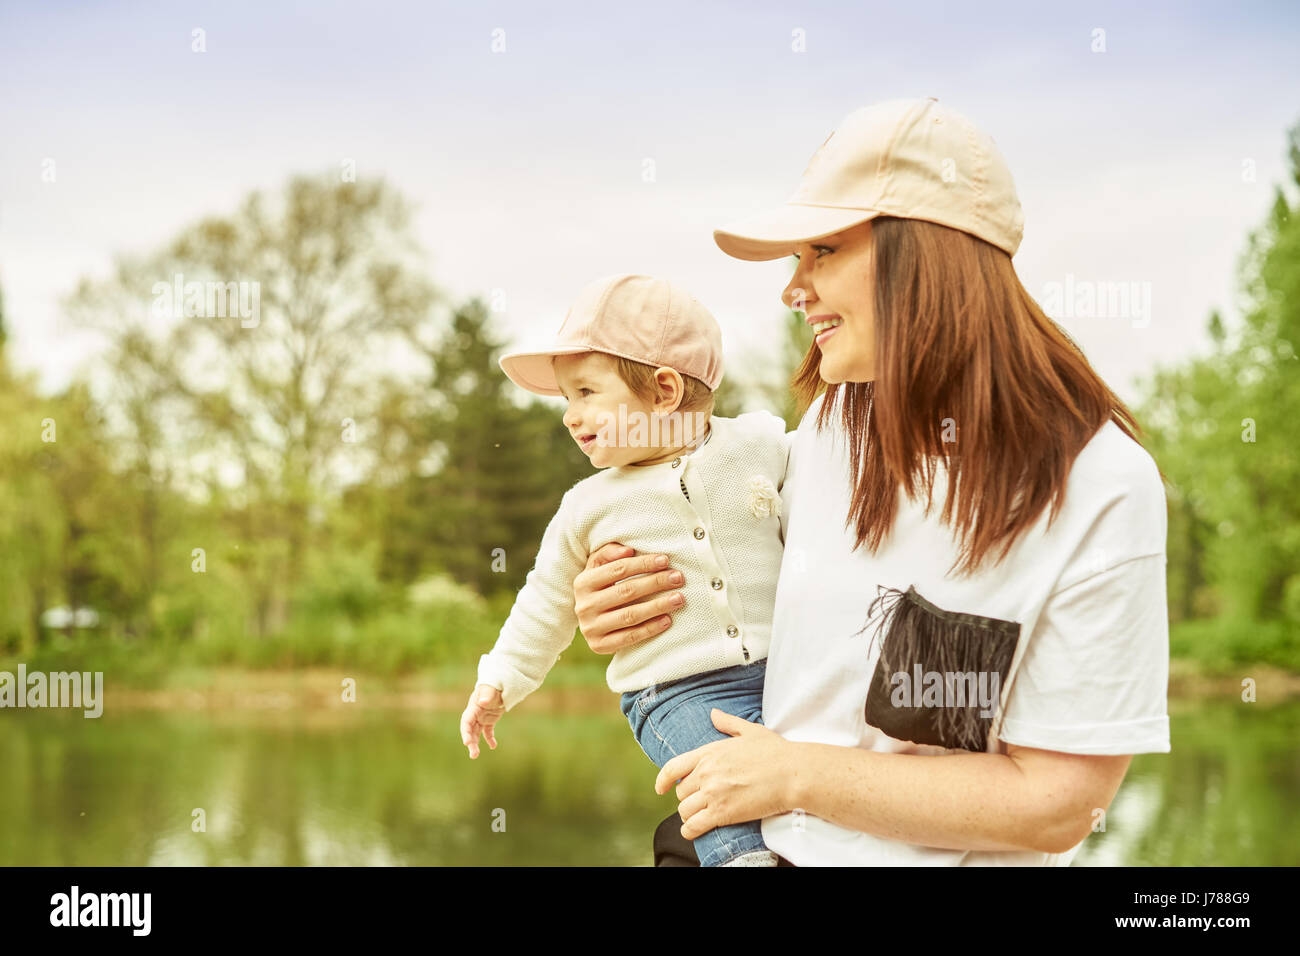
(638, 360)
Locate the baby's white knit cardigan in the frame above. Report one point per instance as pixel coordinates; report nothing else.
(716, 512)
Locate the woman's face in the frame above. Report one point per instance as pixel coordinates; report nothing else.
(834, 279)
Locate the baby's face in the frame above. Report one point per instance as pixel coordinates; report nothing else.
(607, 435)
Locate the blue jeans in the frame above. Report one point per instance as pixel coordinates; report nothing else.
(673, 717)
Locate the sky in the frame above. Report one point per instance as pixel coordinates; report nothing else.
(1143, 154)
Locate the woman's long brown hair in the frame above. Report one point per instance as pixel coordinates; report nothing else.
(962, 352)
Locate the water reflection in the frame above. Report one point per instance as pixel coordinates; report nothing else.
(364, 787)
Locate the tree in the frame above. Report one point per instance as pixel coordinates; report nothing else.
(493, 471)
(58, 507)
(263, 332)
(775, 386)
(774, 368)
(1225, 428)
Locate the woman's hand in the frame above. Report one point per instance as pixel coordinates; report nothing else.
(731, 781)
(611, 614)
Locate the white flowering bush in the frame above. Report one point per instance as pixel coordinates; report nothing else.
(442, 591)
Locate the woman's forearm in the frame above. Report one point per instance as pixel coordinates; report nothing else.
(975, 801)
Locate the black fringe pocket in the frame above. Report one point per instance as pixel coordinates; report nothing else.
(966, 650)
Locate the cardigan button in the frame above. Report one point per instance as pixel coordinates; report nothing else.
(732, 630)
(717, 584)
(676, 462)
(699, 533)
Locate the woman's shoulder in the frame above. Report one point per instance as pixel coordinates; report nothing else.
(1111, 466)
(1114, 508)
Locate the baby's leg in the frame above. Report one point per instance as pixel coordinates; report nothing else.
(673, 718)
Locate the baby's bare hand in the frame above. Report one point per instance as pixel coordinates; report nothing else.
(485, 708)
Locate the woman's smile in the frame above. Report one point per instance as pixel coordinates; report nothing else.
(824, 326)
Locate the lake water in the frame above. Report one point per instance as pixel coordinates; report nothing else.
(366, 787)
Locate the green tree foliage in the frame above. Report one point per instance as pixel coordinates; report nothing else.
(774, 365)
(30, 538)
(499, 468)
(261, 409)
(1225, 428)
(61, 528)
(796, 339)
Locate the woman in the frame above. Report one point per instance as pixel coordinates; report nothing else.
(967, 509)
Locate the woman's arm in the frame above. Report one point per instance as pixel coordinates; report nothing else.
(1026, 799)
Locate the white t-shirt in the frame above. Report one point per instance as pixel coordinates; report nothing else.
(1091, 667)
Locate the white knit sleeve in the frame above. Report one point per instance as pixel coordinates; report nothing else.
(542, 621)
(789, 445)
(785, 497)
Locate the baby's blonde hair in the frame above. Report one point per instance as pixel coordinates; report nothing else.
(639, 377)
(640, 380)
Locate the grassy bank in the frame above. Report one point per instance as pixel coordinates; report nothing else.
(1225, 646)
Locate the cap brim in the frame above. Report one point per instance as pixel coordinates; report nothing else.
(777, 232)
(533, 370)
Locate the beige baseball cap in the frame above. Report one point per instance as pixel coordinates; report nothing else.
(912, 159)
(636, 316)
